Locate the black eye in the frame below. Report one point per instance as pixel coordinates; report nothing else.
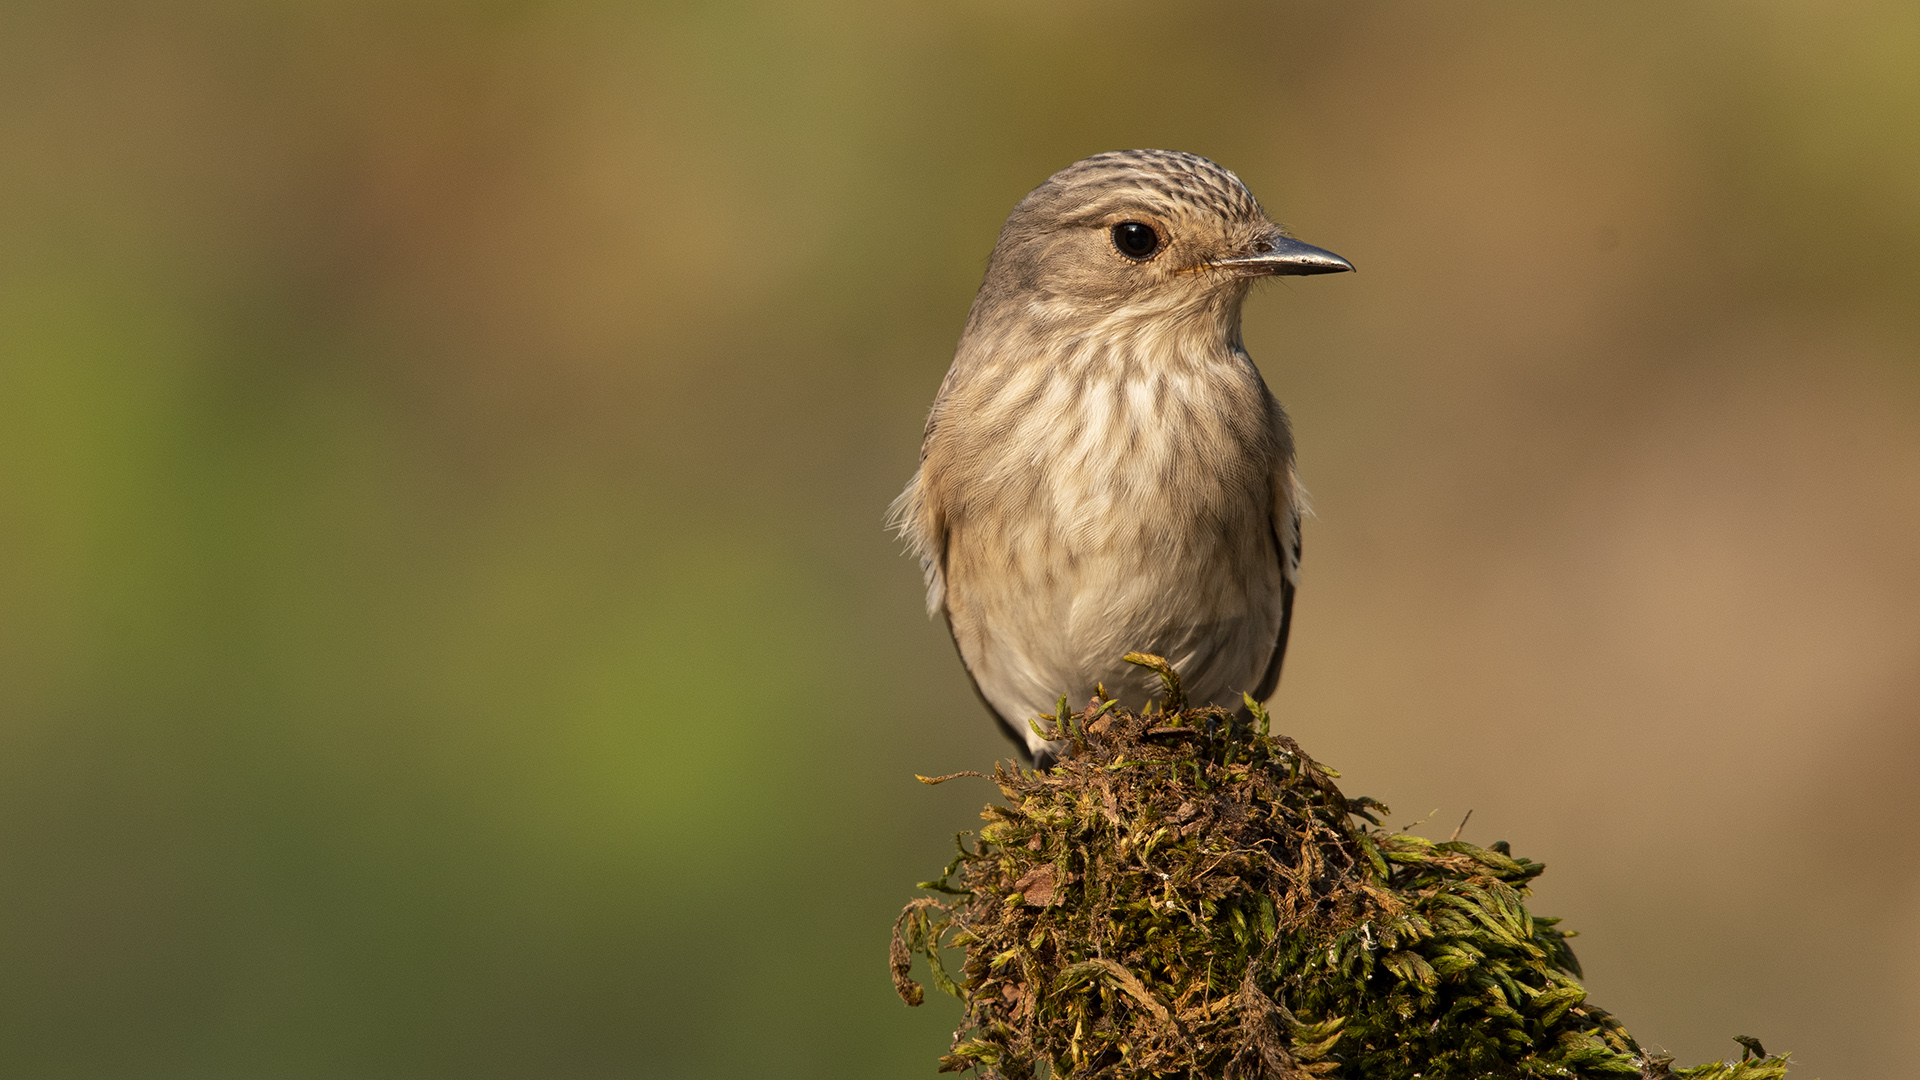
(1136, 240)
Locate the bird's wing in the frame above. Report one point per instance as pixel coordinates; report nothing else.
(935, 561)
(1006, 726)
(1286, 548)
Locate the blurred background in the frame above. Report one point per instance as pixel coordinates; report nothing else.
(446, 627)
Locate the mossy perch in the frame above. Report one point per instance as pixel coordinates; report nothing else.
(1187, 895)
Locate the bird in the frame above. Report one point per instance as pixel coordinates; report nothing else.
(1104, 470)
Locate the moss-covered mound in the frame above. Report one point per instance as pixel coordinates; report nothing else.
(1187, 895)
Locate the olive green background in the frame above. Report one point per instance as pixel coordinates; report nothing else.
(446, 628)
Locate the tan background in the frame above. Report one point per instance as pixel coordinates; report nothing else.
(445, 625)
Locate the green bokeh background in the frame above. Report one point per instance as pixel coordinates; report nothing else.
(446, 628)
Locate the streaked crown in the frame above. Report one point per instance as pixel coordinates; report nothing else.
(1168, 181)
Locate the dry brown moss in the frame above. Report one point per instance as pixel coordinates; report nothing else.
(1187, 895)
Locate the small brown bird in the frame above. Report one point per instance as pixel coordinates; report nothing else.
(1104, 470)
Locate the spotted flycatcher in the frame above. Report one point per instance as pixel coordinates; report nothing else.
(1104, 470)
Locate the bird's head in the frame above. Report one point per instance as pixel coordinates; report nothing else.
(1147, 233)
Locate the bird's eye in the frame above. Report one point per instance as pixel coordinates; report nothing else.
(1136, 240)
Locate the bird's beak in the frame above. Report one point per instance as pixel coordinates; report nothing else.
(1286, 256)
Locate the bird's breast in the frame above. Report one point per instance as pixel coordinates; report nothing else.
(1117, 453)
(1101, 508)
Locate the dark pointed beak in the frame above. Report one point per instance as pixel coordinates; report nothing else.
(1286, 256)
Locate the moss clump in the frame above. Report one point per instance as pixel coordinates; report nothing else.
(1187, 895)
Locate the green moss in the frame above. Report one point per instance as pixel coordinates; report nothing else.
(1187, 895)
